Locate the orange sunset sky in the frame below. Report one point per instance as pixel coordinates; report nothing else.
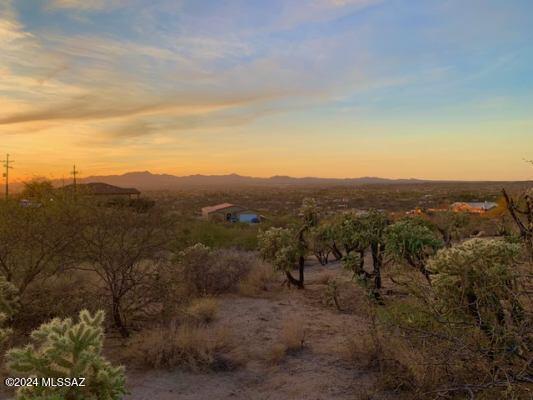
(328, 88)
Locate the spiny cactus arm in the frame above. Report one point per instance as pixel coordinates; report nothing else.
(66, 350)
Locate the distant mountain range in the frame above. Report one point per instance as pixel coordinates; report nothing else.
(147, 181)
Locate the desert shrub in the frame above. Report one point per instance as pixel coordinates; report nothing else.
(203, 310)
(353, 263)
(293, 335)
(36, 241)
(210, 272)
(188, 346)
(291, 340)
(216, 235)
(62, 348)
(453, 226)
(469, 332)
(332, 295)
(260, 279)
(9, 305)
(61, 296)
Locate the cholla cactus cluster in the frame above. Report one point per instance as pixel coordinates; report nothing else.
(277, 245)
(476, 283)
(9, 303)
(64, 349)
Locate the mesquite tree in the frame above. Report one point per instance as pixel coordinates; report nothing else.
(64, 349)
(123, 247)
(37, 240)
(411, 240)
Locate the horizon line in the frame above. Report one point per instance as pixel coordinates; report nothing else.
(234, 174)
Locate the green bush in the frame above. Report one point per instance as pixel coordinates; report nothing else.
(216, 235)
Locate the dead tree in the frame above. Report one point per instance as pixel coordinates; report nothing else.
(521, 211)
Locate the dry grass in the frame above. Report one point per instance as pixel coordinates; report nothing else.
(260, 279)
(293, 335)
(191, 347)
(203, 310)
(324, 277)
(360, 349)
(291, 341)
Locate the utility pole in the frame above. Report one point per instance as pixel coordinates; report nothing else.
(74, 173)
(7, 165)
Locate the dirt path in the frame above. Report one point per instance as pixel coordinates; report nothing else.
(317, 372)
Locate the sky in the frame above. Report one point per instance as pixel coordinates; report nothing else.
(434, 89)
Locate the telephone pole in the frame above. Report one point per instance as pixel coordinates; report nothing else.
(7, 165)
(74, 173)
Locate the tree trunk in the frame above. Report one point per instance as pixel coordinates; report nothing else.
(293, 281)
(301, 272)
(117, 319)
(446, 237)
(321, 257)
(336, 252)
(377, 261)
(362, 260)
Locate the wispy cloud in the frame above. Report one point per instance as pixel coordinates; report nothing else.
(85, 4)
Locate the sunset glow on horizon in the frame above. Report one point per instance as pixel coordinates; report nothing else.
(326, 88)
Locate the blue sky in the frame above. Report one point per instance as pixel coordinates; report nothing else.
(427, 89)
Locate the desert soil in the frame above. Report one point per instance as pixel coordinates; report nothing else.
(320, 371)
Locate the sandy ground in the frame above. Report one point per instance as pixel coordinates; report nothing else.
(318, 372)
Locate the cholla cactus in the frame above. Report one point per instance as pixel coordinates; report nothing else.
(9, 302)
(478, 281)
(279, 247)
(412, 241)
(64, 349)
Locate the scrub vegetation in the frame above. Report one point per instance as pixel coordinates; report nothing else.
(340, 292)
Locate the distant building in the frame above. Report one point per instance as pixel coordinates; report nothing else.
(231, 213)
(473, 207)
(101, 189)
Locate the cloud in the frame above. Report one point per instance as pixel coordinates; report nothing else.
(85, 5)
(311, 11)
(11, 32)
(176, 81)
